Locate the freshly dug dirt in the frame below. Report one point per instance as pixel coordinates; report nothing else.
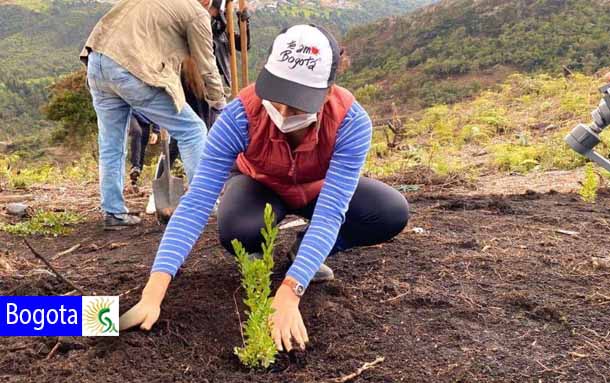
(496, 288)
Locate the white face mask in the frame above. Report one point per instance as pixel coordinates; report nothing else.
(289, 124)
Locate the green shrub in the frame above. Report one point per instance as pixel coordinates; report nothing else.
(438, 123)
(556, 154)
(384, 168)
(516, 158)
(434, 92)
(20, 177)
(552, 155)
(588, 191)
(83, 170)
(6, 163)
(574, 103)
(367, 94)
(475, 134)
(24, 178)
(18, 173)
(44, 223)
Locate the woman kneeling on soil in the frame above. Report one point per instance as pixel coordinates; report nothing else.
(299, 143)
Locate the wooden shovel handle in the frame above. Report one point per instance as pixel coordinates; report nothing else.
(231, 33)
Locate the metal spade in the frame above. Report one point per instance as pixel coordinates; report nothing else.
(167, 189)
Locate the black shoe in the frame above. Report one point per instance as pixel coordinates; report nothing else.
(120, 221)
(324, 274)
(134, 174)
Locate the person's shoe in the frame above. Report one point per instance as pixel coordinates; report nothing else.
(150, 206)
(134, 174)
(324, 274)
(120, 221)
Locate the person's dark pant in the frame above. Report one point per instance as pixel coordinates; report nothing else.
(139, 140)
(207, 114)
(377, 213)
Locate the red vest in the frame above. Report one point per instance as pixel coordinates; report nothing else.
(296, 176)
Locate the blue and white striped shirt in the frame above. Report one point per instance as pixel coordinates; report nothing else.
(226, 140)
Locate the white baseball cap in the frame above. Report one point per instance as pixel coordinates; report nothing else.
(301, 67)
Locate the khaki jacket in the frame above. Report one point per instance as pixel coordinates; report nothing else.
(150, 38)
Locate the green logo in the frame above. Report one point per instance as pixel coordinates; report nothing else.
(97, 317)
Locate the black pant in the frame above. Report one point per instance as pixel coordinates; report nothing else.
(139, 140)
(208, 115)
(376, 213)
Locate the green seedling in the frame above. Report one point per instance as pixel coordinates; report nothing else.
(259, 349)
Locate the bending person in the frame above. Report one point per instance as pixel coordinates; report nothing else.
(299, 143)
(194, 93)
(194, 88)
(133, 58)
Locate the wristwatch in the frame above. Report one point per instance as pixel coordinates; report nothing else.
(297, 288)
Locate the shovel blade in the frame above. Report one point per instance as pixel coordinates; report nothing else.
(167, 191)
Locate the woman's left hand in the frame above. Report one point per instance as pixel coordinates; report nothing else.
(286, 321)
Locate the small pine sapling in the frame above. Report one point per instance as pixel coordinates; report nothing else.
(259, 349)
(588, 191)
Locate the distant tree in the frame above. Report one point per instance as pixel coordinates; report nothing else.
(70, 105)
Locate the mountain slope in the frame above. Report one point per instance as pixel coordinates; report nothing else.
(269, 18)
(462, 37)
(36, 45)
(40, 40)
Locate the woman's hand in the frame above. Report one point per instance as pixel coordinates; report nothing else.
(286, 321)
(146, 312)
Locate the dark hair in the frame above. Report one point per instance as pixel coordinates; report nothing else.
(193, 78)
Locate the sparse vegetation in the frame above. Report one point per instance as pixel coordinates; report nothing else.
(588, 191)
(520, 127)
(44, 223)
(21, 173)
(517, 158)
(26, 177)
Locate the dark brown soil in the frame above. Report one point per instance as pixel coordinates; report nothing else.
(490, 291)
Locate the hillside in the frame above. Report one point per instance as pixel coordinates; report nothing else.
(469, 41)
(339, 16)
(518, 128)
(37, 44)
(501, 274)
(40, 40)
(485, 275)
